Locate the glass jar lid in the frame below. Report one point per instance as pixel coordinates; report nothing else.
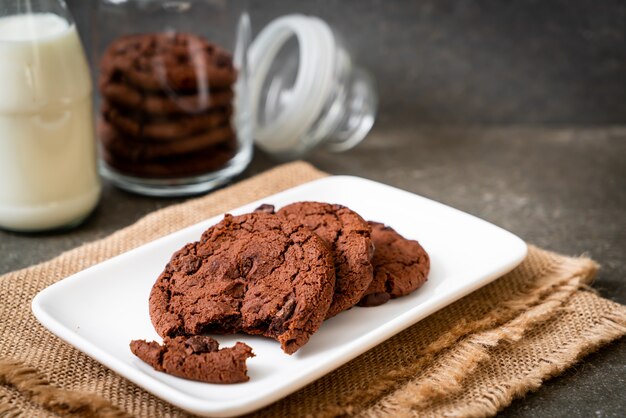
(304, 89)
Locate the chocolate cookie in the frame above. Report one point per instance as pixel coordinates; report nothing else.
(136, 150)
(400, 266)
(167, 61)
(256, 273)
(127, 97)
(196, 358)
(208, 160)
(347, 235)
(165, 129)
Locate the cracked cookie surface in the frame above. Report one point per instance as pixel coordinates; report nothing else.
(400, 266)
(347, 235)
(196, 358)
(256, 273)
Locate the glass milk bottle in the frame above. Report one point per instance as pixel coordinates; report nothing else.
(48, 174)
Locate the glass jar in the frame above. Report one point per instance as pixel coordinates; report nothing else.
(172, 114)
(48, 176)
(184, 92)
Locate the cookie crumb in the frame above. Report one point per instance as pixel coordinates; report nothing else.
(196, 358)
(266, 208)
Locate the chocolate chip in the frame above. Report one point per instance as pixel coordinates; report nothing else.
(265, 208)
(246, 266)
(375, 299)
(278, 323)
(202, 344)
(191, 265)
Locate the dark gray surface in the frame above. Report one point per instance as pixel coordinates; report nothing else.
(454, 62)
(469, 61)
(562, 189)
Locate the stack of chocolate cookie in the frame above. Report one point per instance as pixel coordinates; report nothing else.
(274, 273)
(167, 105)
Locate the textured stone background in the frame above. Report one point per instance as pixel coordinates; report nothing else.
(481, 61)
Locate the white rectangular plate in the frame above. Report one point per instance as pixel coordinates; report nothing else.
(101, 309)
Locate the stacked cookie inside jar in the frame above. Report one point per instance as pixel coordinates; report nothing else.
(167, 105)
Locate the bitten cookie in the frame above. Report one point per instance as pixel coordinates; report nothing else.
(400, 266)
(347, 235)
(196, 358)
(167, 61)
(256, 273)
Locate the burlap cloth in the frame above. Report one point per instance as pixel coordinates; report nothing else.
(469, 359)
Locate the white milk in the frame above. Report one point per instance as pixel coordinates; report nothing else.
(48, 175)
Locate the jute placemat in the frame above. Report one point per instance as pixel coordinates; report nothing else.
(469, 359)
